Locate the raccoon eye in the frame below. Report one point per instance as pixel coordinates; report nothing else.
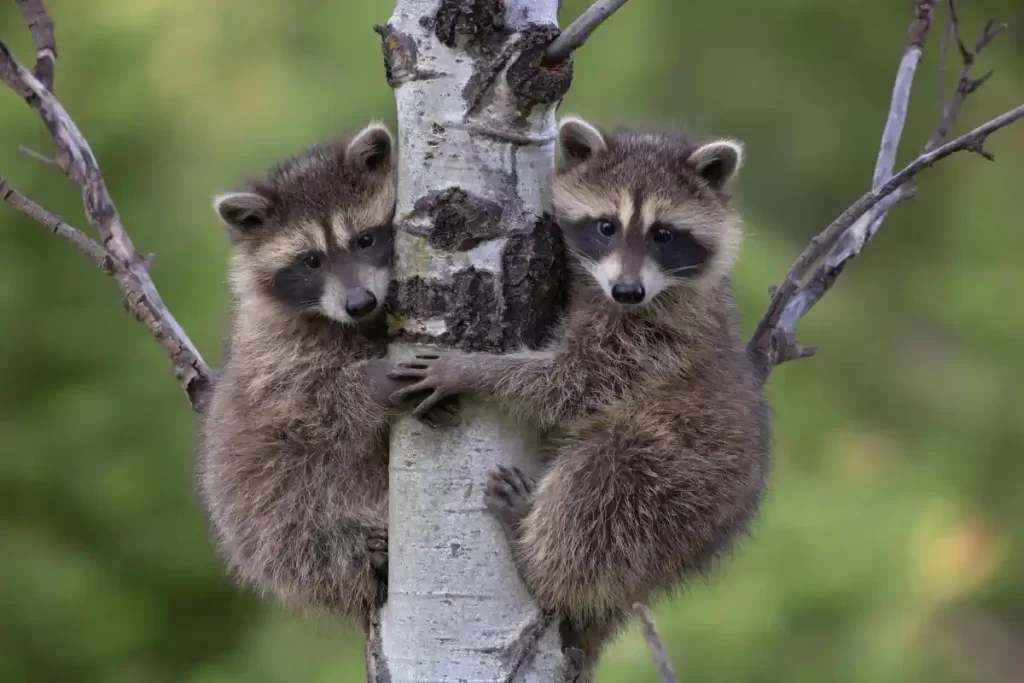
(311, 261)
(661, 234)
(606, 228)
(364, 241)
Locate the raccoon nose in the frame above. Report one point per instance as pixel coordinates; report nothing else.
(359, 302)
(628, 293)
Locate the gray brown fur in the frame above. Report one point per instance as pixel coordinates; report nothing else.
(659, 445)
(292, 465)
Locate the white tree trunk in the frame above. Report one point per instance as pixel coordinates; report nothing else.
(479, 267)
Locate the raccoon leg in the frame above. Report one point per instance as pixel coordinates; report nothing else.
(377, 546)
(508, 497)
(538, 386)
(623, 512)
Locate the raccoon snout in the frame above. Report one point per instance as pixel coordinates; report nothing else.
(628, 292)
(360, 302)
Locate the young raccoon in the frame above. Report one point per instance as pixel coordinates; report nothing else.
(292, 463)
(659, 445)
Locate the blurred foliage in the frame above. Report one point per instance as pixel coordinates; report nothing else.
(891, 547)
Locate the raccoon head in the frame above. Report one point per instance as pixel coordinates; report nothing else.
(315, 236)
(646, 212)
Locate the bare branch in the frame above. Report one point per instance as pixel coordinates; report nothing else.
(655, 644)
(77, 161)
(41, 26)
(965, 84)
(764, 347)
(775, 342)
(87, 245)
(917, 34)
(577, 33)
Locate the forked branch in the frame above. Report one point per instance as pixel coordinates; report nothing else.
(115, 252)
(817, 268)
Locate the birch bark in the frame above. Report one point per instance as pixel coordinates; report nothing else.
(480, 267)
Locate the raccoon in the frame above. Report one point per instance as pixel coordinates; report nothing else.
(292, 462)
(658, 446)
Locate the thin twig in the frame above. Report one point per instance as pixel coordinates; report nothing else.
(765, 345)
(947, 34)
(87, 245)
(655, 644)
(77, 161)
(966, 85)
(41, 26)
(38, 156)
(577, 33)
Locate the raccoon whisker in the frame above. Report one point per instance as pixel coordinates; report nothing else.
(583, 258)
(682, 269)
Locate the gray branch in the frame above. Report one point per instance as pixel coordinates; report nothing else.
(769, 337)
(774, 340)
(76, 159)
(577, 33)
(41, 26)
(88, 246)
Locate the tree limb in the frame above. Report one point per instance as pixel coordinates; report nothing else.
(76, 159)
(41, 26)
(769, 344)
(577, 33)
(774, 341)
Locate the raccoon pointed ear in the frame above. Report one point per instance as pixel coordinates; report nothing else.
(371, 147)
(578, 141)
(718, 162)
(242, 212)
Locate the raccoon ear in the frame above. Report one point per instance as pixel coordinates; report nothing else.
(371, 147)
(718, 162)
(242, 212)
(577, 142)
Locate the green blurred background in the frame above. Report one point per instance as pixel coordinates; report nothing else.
(891, 547)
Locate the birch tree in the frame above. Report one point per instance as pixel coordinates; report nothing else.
(481, 267)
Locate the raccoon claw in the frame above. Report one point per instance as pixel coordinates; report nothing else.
(377, 545)
(443, 414)
(508, 496)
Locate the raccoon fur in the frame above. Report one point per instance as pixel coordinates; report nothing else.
(658, 446)
(292, 462)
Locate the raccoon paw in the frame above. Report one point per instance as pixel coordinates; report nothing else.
(438, 375)
(507, 496)
(377, 546)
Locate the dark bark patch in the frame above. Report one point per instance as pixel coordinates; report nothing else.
(535, 284)
(481, 313)
(476, 20)
(400, 57)
(530, 77)
(460, 220)
(468, 304)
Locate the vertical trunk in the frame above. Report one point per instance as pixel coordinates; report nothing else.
(479, 268)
